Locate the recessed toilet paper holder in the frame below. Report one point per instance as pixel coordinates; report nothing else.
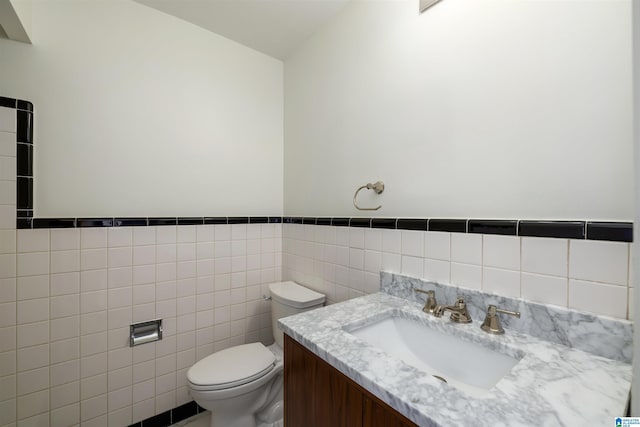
(378, 187)
(144, 332)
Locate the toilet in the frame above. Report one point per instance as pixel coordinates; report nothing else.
(242, 385)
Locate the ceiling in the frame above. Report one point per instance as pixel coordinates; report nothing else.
(274, 27)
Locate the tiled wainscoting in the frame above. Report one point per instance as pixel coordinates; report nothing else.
(67, 297)
(344, 262)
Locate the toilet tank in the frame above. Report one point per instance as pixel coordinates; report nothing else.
(289, 298)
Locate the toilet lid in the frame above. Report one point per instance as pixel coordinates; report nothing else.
(232, 366)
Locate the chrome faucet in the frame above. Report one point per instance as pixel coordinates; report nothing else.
(459, 313)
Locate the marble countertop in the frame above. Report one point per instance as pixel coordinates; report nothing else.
(551, 385)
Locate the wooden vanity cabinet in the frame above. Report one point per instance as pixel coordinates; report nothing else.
(318, 395)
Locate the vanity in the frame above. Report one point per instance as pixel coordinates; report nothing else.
(379, 360)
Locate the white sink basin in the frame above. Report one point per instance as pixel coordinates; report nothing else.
(467, 366)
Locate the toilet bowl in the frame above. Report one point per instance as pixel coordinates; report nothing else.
(242, 385)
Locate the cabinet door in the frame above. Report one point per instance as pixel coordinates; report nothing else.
(315, 393)
(381, 415)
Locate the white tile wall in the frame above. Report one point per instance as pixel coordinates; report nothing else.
(67, 297)
(13, 380)
(545, 256)
(586, 275)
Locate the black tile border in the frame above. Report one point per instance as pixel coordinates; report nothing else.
(24, 105)
(94, 222)
(7, 102)
(493, 226)
(323, 221)
(171, 416)
(238, 220)
(595, 230)
(388, 223)
(24, 126)
(360, 222)
(418, 224)
(564, 229)
(611, 231)
(162, 221)
(53, 223)
(578, 230)
(215, 220)
(130, 222)
(190, 220)
(340, 222)
(448, 225)
(590, 230)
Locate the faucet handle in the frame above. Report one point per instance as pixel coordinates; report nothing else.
(492, 323)
(430, 304)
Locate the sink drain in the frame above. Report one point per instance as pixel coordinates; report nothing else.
(440, 378)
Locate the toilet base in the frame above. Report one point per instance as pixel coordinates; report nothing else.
(272, 415)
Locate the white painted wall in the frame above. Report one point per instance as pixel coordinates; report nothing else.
(477, 108)
(139, 113)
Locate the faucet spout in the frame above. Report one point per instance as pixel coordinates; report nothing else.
(459, 313)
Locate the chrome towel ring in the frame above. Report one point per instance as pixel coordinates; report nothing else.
(378, 187)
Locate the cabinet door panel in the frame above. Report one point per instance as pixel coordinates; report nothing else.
(315, 393)
(377, 415)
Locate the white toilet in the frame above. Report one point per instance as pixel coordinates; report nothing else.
(242, 385)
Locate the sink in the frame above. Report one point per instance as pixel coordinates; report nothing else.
(468, 366)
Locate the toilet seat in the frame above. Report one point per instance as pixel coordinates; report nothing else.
(231, 367)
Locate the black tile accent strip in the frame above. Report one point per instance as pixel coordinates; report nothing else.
(22, 223)
(275, 219)
(163, 221)
(24, 127)
(450, 225)
(493, 226)
(309, 220)
(24, 213)
(389, 223)
(7, 102)
(184, 411)
(611, 231)
(24, 105)
(94, 222)
(190, 220)
(323, 221)
(558, 229)
(24, 193)
(54, 223)
(340, 222)
(360, 222)
(215, 220)
(293, 220)
(160, 420)
(24, 161)
(238, 220)
(130, 222)
(258, 219)
(412, 224)
(171, 416)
